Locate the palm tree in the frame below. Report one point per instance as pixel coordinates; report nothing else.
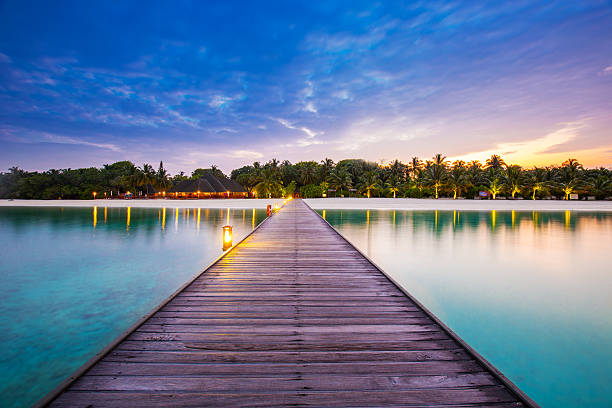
(601, 185)
(397, 170)
(340, 180)
(309, 173)
(415, 165)
(327, 166)
(569, 177)
(495, 162)
(513, 178)
(370, 182)
(436, 172)
(494, 187)
(474, 174)
(269, 182)
(393, 185)
(439, 159)
(537, 181)
(457, 178)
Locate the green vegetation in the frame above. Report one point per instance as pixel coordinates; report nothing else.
(352, 177)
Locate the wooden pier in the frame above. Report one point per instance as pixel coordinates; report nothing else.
(294, 315)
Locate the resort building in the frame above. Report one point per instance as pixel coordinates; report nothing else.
(209, 186)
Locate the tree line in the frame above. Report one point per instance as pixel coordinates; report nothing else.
(434, 178)
(108, 181)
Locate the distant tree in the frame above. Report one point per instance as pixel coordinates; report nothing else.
(289, 190)
(436, 173)
(494, 185)
(513, 179)
(269, 183)
(495, 162)
(415, 165)
(537, 181)
(393, 184)
(340, 180)
(457, 178)
(370, 182)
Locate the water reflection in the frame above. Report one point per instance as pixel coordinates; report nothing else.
(441, 220)
(525, 289)
(64, 270)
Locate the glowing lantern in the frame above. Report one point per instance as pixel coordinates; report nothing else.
(227, 237)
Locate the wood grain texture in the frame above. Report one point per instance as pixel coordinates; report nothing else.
(293, 316)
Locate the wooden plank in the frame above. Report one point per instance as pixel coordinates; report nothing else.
(280, 383)
(417, 397)
(293, 315)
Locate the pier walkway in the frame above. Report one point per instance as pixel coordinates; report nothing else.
(292, 316)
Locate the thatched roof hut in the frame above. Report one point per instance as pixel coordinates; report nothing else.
(210, 185)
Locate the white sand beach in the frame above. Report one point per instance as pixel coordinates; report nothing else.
(462, 205)
(335, 203)
(167, 203)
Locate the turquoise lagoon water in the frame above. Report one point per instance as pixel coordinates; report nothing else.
(73, 279)
(530, 291)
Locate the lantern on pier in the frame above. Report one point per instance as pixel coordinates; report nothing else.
(227, 237)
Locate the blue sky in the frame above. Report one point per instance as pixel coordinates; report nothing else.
(199, 83)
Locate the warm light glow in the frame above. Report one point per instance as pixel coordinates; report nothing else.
(94, 195)
(129, 211)
(227, 237)
(164, 218)
(323, 214)
(95, 216)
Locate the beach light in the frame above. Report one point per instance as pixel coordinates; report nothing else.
(164, 194)
(227, 237)
(94, 195)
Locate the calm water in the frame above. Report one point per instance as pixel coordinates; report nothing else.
(531, 292)
(73, 279)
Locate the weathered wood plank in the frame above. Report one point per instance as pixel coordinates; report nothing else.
(293, 316)
(281, 383)
(416, 397)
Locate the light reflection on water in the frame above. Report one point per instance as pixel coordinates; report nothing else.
(530, 291)
(73, 279)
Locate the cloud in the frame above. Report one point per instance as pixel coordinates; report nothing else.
(310, 107)
(5, 58)
(219, 101)
(245, 154)
(530, 150)
(29, 136)
(51, 138)
(607, 70)
(288, 125)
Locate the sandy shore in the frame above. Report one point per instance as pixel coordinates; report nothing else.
(336, 203)
(462, 205)
(228, 203)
